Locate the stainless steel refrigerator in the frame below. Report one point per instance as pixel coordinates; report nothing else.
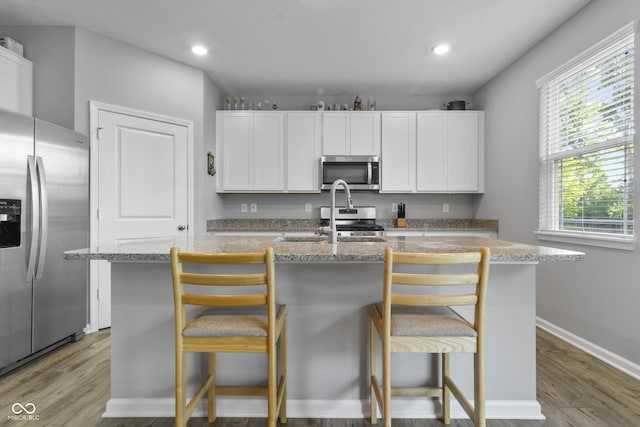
(44, 211)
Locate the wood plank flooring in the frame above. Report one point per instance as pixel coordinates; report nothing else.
(70, 387)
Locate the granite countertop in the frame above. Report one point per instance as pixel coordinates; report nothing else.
(283, 225)
(314, 250)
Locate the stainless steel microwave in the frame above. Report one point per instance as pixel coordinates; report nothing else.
(360, 172)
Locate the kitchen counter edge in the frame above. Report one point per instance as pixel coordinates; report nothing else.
(157, 250)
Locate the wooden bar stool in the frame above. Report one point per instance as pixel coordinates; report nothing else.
(412, 322)
(232, 323)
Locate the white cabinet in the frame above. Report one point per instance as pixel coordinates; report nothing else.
(16, 82)
(251, 145)
(235, 145)
(398, 168)
(304, 143)
(351, 133)
(268, 161)
(432, 152)
(450, 151)
(264, 151)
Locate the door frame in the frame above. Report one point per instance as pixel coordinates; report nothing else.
(94, 186)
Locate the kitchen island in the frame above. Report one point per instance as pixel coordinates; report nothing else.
(327, 290)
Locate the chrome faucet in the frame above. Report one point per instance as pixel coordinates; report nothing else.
(331, 230)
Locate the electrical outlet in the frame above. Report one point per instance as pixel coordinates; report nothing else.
(254, 207)
(243, 207)
(445, 207)
(307, 207)
(394, 207)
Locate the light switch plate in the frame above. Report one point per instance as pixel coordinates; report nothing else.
(254, 207)
(307, 207)
(243, 207)
(445, 207)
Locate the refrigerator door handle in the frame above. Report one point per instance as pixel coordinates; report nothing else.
(35, 218)
(44, 217)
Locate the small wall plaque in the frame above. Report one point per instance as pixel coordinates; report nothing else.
(211, 163)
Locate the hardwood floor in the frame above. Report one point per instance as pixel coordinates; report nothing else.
(70, 387)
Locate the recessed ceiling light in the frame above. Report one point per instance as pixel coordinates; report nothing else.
(199, 50)
(440, 49)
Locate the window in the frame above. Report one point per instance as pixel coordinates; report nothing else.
(587, 146)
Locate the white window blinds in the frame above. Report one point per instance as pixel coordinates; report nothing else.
(586, 141)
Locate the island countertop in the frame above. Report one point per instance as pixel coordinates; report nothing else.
(319, 251)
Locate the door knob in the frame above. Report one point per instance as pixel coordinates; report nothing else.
(181, 227)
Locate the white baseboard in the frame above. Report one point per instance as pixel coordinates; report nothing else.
(257, 407)
(608, 357)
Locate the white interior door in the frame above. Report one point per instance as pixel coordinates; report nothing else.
(143, 186)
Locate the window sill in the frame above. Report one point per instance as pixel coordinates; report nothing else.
(588, 239)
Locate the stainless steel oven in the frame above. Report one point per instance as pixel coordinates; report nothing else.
(360, 172)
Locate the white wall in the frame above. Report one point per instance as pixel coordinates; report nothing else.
(597, 299)
(212, 202)
(383, 102)
(419, 206)
(116, 73)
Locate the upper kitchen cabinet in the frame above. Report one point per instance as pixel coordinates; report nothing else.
(398, 169)
(351, 133)
(251, 146)
(450, 151)
(304, 143)
(433, 152)
(16, 82)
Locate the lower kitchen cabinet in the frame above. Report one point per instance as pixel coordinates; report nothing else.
(428, 233)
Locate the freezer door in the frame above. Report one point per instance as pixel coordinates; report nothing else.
(60, 288)
(16, 144)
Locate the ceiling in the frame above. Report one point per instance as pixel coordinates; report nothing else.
(300, 47)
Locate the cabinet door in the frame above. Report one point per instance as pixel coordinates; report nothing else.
(335, 133)
(304, 134)
(16, 82)
(398, 152)
(268, 151)
(463, 151)
(237, 141)
(365, 133)
(431, 153)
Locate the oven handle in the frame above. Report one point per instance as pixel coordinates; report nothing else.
(369, 173)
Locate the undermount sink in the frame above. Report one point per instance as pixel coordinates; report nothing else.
(354, 239)
(301, 239)
(324, 239)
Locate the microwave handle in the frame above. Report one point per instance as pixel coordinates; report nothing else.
(369, 173)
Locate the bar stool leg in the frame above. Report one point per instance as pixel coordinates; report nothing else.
(386, 378)
(373, 367)
(283, 373)
(212, 390)
(180, 388)
(479, 405)
(446, 393)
